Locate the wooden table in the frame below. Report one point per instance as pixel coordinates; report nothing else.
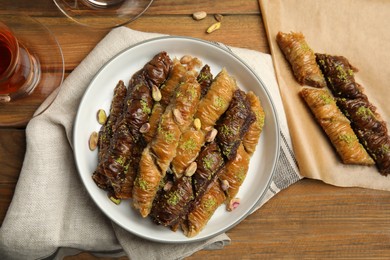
(308, 219)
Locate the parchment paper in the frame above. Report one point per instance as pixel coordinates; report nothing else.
(356, 29)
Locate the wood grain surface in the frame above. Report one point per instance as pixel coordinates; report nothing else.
(307, 220)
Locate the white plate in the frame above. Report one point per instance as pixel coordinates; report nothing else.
(99, 95)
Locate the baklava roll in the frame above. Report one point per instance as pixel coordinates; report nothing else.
(205, 78)
(140, 101)
(217, 100)
(139, 105)
(172, 202)
(107, 130)
(209, 162)
(234, 124)
(169, 87)
(186, 102)
(150, 128)
(198, 217)
(302, 59)
(234, 173)
(378, 145)
(157, 69)
(251, 138)
(116, 165)
(165, 141)
(146, 183)
(371, 130)
(336, 126)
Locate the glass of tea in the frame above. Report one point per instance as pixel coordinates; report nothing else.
(31, 68)
(19, 70)
(103, 13)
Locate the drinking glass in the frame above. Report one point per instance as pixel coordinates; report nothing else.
(31, 68)
(103, 13)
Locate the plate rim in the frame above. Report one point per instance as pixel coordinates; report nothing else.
(225, 49)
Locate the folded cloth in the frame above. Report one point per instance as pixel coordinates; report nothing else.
(332, 27)
(52, 215)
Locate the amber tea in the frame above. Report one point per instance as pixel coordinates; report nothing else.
(19, 71)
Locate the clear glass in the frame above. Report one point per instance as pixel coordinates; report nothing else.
(31, 68)
(103, 13)
(20, 71)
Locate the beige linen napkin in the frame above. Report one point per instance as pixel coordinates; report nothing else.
(358, 30)
(51, 214)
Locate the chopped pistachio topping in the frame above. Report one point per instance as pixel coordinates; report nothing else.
(385, 148)
(209, 204)
(364, 112)
(144, 107)
(260, 118)
(103, 136)
(142, 183)
(159, 128)
(126, 168)
(226, 130)
(192, 92)
(189, 145)
(227, 151)
(241, 174)
(178, 93)
(218, 102)
(305, 46)
(109, 131)
(349, 139)
(169, 137)
(120, 160)
(341, 73)
(204, 77)
(173, 199)
(327, 99)
(208, 162)
(161, 184)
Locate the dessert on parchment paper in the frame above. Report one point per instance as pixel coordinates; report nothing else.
(301, 58)
(358, 133)
(336, 126)
(365, 120)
